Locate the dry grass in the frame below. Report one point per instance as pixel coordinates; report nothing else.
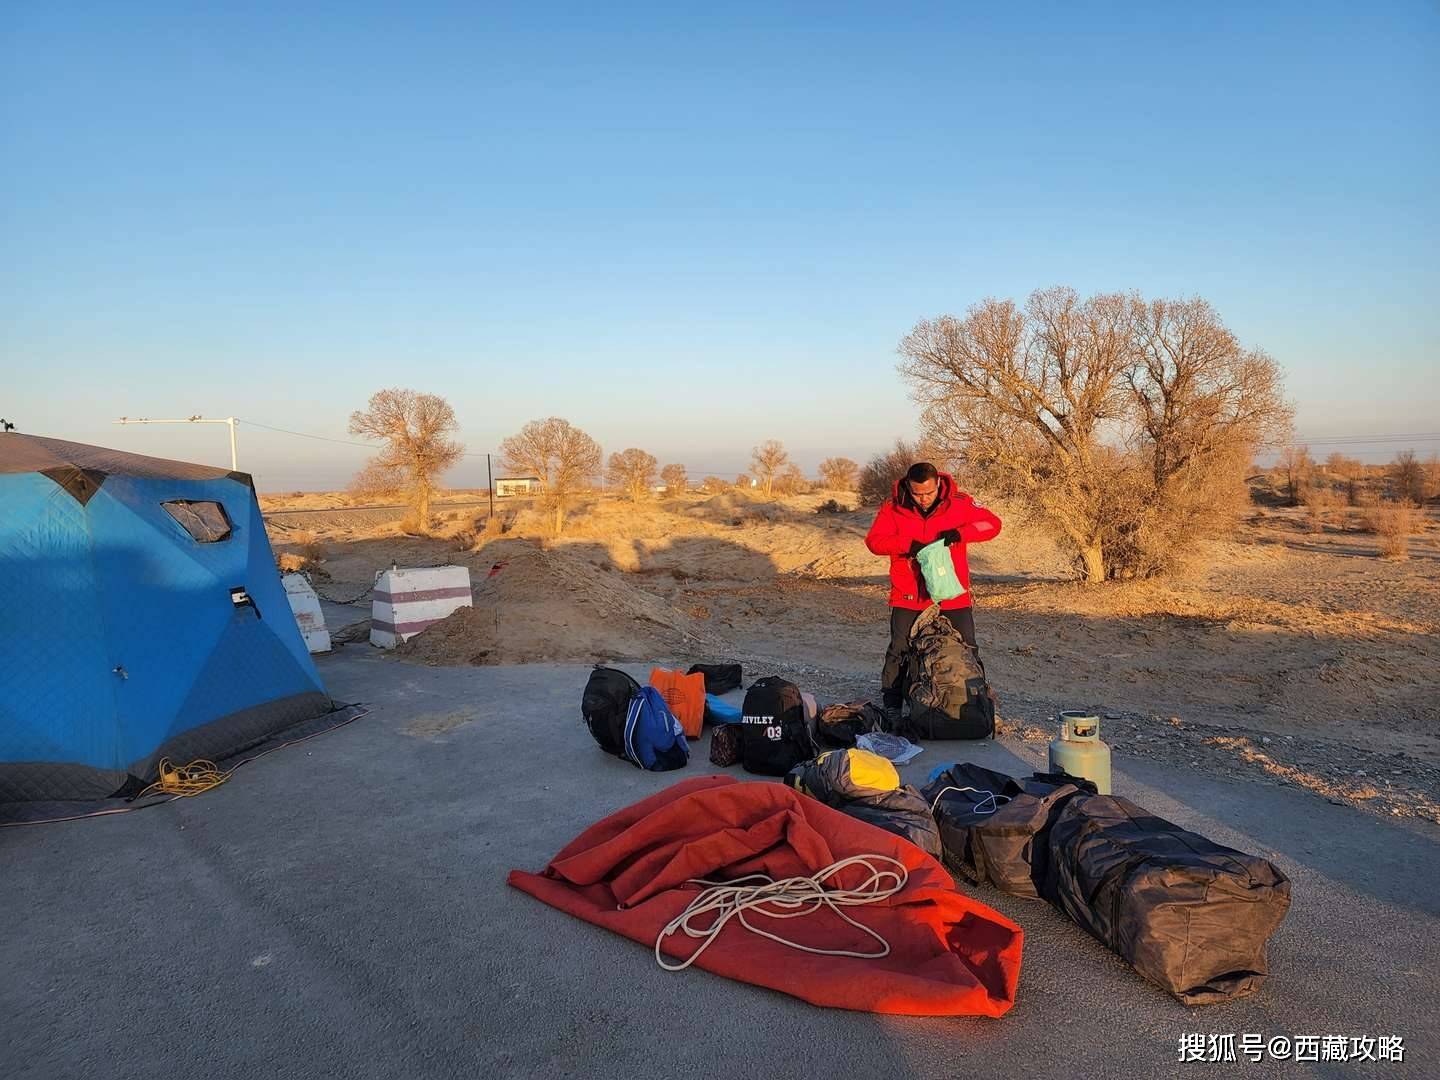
(312, 551)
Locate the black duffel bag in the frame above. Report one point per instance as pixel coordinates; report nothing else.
(1189, 914)
(995, 828)
(841, 725)
(719, 678)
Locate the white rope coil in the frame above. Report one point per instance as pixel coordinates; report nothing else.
(789, 898)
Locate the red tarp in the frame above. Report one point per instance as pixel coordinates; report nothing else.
(950, 955)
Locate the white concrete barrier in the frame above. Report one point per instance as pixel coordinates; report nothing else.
(405, 602)
(308, 616)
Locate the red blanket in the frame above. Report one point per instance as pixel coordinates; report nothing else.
(950, 955)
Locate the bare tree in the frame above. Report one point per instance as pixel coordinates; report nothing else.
(1296, 469)
(563, 457)
(1408, 476)
(883, 471)
(674, 479)
(1349, 471)
(767, 460)
(1432, 476)
(839, 474)
(417, 451)
(792, 481)
(1125, 424)
(633, 472)
(743, 481)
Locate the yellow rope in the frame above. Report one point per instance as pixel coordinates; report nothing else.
(185, 780)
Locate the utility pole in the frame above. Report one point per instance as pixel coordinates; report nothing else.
(196, 419)
(490, 477)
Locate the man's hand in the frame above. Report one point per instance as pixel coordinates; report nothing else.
(916, 547)
(950, 536)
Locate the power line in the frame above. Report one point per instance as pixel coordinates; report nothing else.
(342, 442)
(1367, 440)
(306, 434)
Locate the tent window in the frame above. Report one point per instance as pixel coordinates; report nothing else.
(206, 522)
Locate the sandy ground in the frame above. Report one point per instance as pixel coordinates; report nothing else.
(1290, 657)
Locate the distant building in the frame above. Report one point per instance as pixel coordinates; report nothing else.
(516, 485)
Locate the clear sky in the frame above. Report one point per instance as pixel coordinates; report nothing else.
(687, 228)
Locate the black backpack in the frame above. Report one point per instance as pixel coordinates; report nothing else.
(774, 734)
(949, 695)
(604, 705)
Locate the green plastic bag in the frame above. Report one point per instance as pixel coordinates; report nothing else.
(938, 569)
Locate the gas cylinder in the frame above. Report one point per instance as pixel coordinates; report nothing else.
(1078, 750)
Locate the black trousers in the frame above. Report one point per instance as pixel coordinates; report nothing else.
(892, 676)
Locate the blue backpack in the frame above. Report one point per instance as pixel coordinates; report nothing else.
(653, 738)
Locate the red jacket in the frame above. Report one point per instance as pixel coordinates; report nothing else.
(899, 525)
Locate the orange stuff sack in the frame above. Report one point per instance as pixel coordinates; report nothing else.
(685, 694)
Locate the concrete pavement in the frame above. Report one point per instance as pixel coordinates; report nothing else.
(339, 908)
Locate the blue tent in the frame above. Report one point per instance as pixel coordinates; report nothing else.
(141, 616)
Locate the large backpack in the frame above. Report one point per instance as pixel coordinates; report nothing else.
(774, 733)
(654, 739)
(949, 697)
(604, 705)
(632, 722)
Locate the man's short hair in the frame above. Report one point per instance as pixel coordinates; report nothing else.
(922, 472)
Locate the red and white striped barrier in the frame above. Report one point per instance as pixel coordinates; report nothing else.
(405, 602)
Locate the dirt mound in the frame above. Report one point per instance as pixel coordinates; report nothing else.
(553, 605)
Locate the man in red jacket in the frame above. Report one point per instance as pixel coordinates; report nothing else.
(924, 508)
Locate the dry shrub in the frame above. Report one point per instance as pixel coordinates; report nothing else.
(1320, 503)
(792, 482)
(311, 549)
(830, 506)
(412, 525)
(753, 516)
(883, 471)
(1394, 525)
(287, 562)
